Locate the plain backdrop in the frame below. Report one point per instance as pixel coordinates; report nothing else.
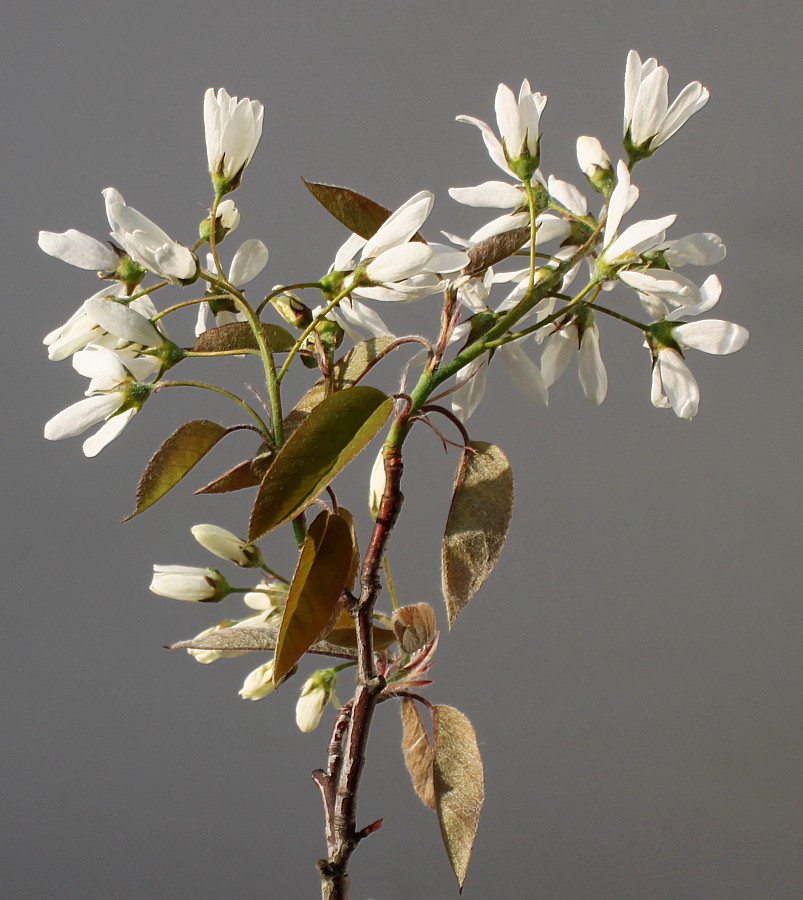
(633, 667)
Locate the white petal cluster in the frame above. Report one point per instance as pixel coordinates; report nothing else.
(146, 243)
(188, 583)
(233, 128)
(108, 399)
(673, 384)
(224, 544)
(518, 121)
(559, 350)
(316, 692)
(649, 120)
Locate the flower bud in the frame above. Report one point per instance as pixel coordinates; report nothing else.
(259, 683)
(376, 487)
(189, 583)
(292, 310)
(227, 545)
(596, 164)
(316, 692)
(414, 626)
(226, 220)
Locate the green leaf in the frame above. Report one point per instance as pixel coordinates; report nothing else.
(247, 474)
(357, 213)
(318, 582)
(188, 444)
(417, 750)
(323, 444)
(238, 336)
(482, 505)
(459, 785)
(494, 249)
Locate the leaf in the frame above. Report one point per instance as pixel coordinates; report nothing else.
(257, 637)
(247, 474)
(323, 444)
(494, 249)
(353, 364)
(357, 213)
(355, 556)
(315, 590)
(459, 785)
(478, 520)
(417, 750)
(238, 336)
(188, 444)
(344, 634)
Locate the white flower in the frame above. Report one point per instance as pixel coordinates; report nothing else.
(702, 249)
(626, 248)
(124, 322)
(248, 262)
(146, 243)
(591, 369)
(114, 394)
(229, 215)
(315, 694)
(471, 380)
(189, 583)
(591, 158)
(259, 683)
(233, 128)
(518, 120)
(648, 118)
(672, 382)
(225, 545)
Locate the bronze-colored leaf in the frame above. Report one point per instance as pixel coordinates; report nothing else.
(482, 505)
(315, 590)
(187, 446)
(494, 249)
(459, 785)
(355, 557)
(247, 474)
(417, 750)
(414, 626)
(344, 634)
(331, 436)
(238, 337)
(353, 364)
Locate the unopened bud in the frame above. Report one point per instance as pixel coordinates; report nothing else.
(189, 583)
(227, 545)
(595, 164)
(292, 310)
(414, 626)
(316, 692)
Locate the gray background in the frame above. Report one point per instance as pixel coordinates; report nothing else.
(633, 668)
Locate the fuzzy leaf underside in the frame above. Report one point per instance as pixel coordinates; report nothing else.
(479, 516)
(258, 637)
(494, 249)
(238, 336)
(459, 785)
(417, 750)
(186, 447)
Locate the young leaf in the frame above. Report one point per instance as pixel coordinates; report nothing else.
(357, 213)
(459, 785)
(344, 634)
(478, 520)
(323, 444)
(355, 556)
(494, 249)
(247, 474)
(318, 582)
(237, 336)
(188, 444)
(257, 637)
(417, 752)
(354, 363)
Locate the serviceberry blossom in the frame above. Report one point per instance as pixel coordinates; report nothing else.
(673, 384)
(471, 380)
(226, 545)
(259, 683)
(248, 262)
(115, 393)
(594, 163)
(233, 128)
(518, 121)
(146, 243)
(189, 583)
(316, 692)
(649, 121)
(582, 334)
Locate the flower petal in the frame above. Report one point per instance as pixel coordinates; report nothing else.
(712, 336)
(249, 260)
(78, 249)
